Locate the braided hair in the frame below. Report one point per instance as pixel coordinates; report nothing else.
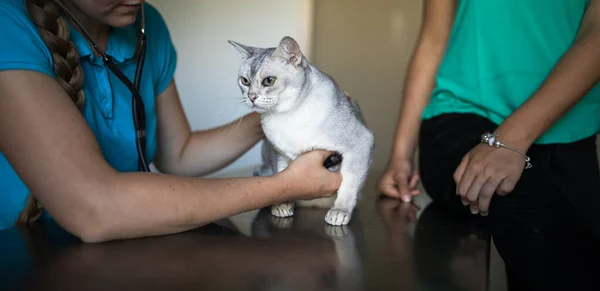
(54, 31)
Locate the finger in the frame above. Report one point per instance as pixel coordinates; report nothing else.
(465, 183)
(387, 186)
(390, 190)
(474, 209)
(474, 189)
(415, 192)
(414, 179)
(460, 171)
(485, 197)
(404, 191)
(506, 186)
(464, 201)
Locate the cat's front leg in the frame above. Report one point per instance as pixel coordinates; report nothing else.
(285, 209)
(355, 166)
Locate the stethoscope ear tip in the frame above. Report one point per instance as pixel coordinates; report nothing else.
(142, 20)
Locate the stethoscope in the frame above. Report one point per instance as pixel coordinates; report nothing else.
(139, 118)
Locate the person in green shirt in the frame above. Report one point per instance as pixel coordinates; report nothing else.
(527, 73)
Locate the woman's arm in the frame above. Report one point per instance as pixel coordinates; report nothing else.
(485, 170)
(183, 152)
(438, 17)
(400, 178)
(50, 146)
(577, 72)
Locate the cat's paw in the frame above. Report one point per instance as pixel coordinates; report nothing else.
(285, 209)
(337, 217)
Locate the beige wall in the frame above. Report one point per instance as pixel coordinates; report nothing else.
(365, 46)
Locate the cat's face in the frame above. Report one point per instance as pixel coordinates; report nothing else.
(271, 78)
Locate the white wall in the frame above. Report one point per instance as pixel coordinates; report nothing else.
(207, 65)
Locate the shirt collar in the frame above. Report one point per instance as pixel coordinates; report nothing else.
(122, 43)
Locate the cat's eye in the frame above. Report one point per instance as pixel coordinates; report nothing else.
(269, 81)
(244, 81)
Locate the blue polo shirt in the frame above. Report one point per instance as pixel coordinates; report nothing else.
(107, 107)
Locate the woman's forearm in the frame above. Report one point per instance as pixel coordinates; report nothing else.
(232, 140)
(147, 204)
(417, 89)
(184, 152)
(100, 204)
(571, 79)
(438, 16)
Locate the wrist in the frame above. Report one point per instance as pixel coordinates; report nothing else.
(405, 144)
(254, 118)
(403, 152)
(288, 187)
(494, 140)
(517, 137)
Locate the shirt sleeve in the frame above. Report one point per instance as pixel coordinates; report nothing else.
(21, 46)
(160, 49)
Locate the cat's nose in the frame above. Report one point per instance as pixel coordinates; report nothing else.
(252, 97)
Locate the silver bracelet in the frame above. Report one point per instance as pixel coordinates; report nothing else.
(493, 141)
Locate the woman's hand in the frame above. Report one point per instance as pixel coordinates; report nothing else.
(399, 180)
(484, 171)
(308, 177)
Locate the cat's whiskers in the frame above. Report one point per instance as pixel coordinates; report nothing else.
(222, 98)
(240, 121)
(227, 127)
(232, 125)
(229, 105)
(228, 109)
(236, 123)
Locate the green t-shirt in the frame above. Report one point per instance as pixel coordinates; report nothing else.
(500, 52)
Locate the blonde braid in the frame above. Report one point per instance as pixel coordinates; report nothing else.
(54, 31)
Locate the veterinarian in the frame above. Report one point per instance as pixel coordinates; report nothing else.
(68, 137)
(502, 98)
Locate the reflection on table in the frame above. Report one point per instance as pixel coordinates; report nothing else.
(389, 245)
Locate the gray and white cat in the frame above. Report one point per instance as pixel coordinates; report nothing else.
(303, 109)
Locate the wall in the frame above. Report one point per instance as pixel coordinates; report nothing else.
(366, 46)
(207, 68)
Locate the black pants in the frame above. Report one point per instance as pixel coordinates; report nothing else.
(554, 208)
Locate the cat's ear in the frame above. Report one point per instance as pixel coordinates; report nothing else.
(289, 50)
(244, 51)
